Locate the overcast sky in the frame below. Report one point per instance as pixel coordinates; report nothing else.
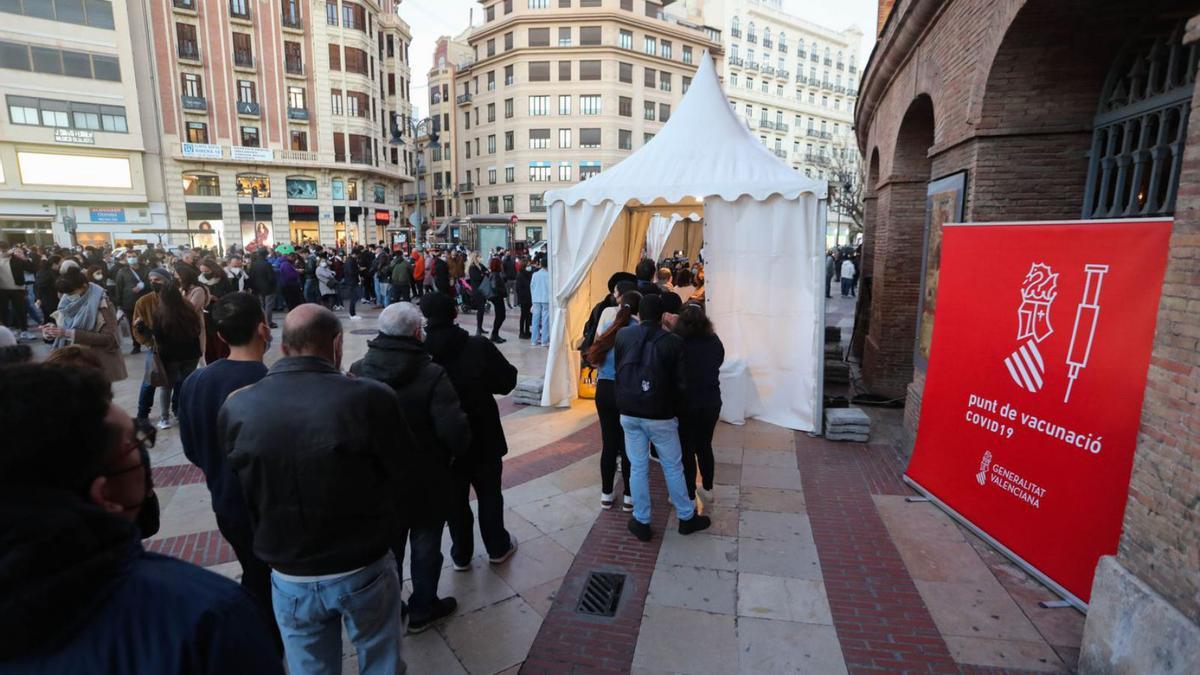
(432, 18)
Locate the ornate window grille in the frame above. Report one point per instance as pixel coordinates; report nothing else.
(1141, 128)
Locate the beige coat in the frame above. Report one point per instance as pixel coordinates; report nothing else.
(105, 342)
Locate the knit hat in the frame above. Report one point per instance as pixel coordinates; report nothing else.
(162, 273)
(438, 308)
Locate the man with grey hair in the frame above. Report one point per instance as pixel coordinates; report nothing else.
(320, 458)
(397, 357)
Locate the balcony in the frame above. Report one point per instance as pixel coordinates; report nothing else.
(782, 48)
(198, 103)
(783, 74)
(766, 124)
(239, 9)
(782, 154)
(291, 20)
(767, 44)
(812, 133)
(752, 38)
(298, 114)
(828, 61)
(736, 32)
(853, 68)
(800, 79)
(752, 65)
(826, 84)
(782, 127)
(826, 135)
(294, 67)
(189, 50)
(462, 99)
(466, 188)
(736, 61)
(769, 71)
(243, 59)
(248, 108)
(537, 208)
(801, 54)
(841, 65)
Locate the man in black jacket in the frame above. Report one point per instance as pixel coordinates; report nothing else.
(399, 359)
(525, 299)
(478, 371)
(132, 283)
(264, 283)
(651, 390)
(320, 459)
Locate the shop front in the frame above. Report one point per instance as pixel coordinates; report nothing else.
(303, 224)
(346, 231)
(205, 225)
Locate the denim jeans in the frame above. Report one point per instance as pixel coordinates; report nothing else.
(664, 434)
(541, 323)
(310, 617)
(312, 291)
(425, 567)
(268, 304)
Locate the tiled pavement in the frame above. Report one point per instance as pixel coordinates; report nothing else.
(815, 562)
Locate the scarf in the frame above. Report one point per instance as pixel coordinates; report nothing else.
(79, 312)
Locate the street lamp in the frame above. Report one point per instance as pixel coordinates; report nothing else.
(415, 127)
(253, 211)
(837, 225)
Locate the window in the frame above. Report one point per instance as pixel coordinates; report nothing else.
(55, 114)
(665, 49)
(508, 203)
(648, 111)
(564, 138)
(508, 140)
(664, 80)
(239, 8)
(491, 80)
(589, 138)
(491, 174)
(539, 139)
(589, 70)
(687, 54)
(650, 78)
(201, 185)
(539, 4)
(687, 84)
(564, 36)
(540, 174)
(587, 171)
(650, 45)
(356, 61)
(246, 93)
(98, 13)
(508, 75)
(23, 110)
(625, 39)
(589, 35)
(564, 105)
(490, 13)
(589, 105)
(508, 41)
(491, 144)
(624, 139)
(335, 57)
(250, 137)
(191, 85)
(354, 16)
(564, 71)
(358, 104)
(539, 105)
(646, 138)
(292, 59)
(493, 205)
(185, 39)
(243, 53)
(491, 112)
(331, 14)
(564, 171)
(625, 72)
(664, 112)
(197, 132)
(539, 71)
(537, 205)
(491, 47)
(625, 106)
(627, 5)
(299, 140)
(336, 102)
(509, 174)
(296, 98)
(539, 37)
(508, 108)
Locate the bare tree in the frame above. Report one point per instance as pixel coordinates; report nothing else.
(846, 181)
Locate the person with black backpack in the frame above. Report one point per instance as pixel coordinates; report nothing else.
(651, 390)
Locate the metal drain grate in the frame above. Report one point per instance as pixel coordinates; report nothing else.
(601, 594)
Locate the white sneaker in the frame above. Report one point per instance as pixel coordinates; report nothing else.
(606, 500)
(356, 318)
(164, 423)
(627, 504)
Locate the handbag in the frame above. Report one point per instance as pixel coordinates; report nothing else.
(158, 370)
(485, 288)
(587, 382)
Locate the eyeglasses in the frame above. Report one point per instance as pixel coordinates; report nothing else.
(144, 435)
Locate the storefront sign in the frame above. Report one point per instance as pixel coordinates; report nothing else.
(107, 215)
(202, 150)
(245, 154)
(1033, 397)
(76, 136)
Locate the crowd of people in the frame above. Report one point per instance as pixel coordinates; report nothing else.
(842, 265)
(318, 509)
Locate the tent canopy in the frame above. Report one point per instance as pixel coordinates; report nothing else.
(763, 237)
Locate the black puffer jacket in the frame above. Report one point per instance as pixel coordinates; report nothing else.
(438, 422)
(479, 371)
(262, 276)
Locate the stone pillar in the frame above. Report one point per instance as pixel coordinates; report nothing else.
(1144, 615)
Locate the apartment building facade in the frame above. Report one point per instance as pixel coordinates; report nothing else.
(72, 143)
(794, 83)
(558, 91)
(278, 118)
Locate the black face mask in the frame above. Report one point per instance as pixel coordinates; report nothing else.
(147, 518)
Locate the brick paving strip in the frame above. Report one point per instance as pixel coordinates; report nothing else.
(569, 642)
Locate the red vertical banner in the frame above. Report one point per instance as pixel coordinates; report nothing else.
(1033, 395)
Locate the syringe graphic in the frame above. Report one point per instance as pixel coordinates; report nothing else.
(1086, 316)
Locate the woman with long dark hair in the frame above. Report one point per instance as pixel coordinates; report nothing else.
(612, 437)
(178, 327)
(703, 353)
(213, 278)
(196, 293)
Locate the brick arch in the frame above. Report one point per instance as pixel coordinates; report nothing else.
(899, 219)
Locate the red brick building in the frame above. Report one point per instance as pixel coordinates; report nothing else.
(1056, 109)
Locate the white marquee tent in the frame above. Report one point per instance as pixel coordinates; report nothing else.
(764, 239)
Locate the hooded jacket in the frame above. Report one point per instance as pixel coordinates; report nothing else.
(479, 372)
(434, 414)
(78, 594)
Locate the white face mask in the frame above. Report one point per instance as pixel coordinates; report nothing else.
(132, 261)
(324, 264)
(98, 277)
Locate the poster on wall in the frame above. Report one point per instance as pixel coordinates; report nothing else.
(944, 203)
(256, 233)
(206, 233)
(1033, 394)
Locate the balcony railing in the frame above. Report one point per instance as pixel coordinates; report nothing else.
(782, 154)
(853, 68)
(736, 32)
(291, 20)
(782, 48)
(826, 135)
(766, 124)
(841, 65)
(466, 188)
(736, 61)
(828, 61)
(801, 54)
(768, 70)
(462, 99)
(537, 208)
(801, 79)
(812, 133)
(292, 67)
(782, 127)
(752, 38)
(767, 44)
(243, 59)
(783, 74)
(189, 50)
(248, 108)
(298, 113)
(826, 84)
(752, 65)
(194, 103)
